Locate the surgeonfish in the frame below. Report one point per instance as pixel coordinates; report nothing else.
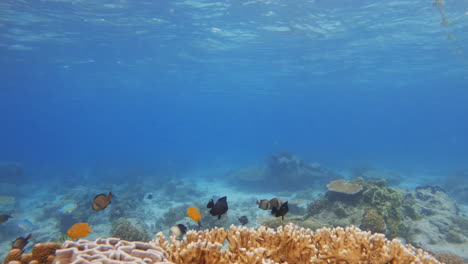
(281, 211)
(178, 230)
(101, 201)
(20, 242)
(219, 208)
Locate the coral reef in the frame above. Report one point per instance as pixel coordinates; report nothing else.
(289, 244)
(126, 230)
(368, 172)
(425, 217)
(285, 165)
(349, 202)
(173, 215)
(388, 202)
(373, 221)
(111, 251)
(42, 253)
(440, 224)
(282, 170)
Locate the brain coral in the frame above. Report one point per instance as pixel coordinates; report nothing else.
(109, 251)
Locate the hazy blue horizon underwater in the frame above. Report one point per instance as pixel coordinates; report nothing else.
(102, 93)
(351, 87)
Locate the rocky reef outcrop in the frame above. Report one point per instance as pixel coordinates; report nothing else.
(426, 217)
(283, 170)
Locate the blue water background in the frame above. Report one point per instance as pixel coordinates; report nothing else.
(201, 84)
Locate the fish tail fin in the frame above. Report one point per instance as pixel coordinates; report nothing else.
(210, 204)
(28, 237)
(219, 217)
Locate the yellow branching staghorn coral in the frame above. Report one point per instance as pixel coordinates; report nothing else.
(289, 244)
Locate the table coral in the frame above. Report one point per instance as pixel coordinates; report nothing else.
(343, 186)
(290, 244)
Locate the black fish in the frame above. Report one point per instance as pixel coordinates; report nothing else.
(183, 228)
(281, 211)
(4, 218)
(218, 208)
(20, 242)
(150, 196)
(243, 220)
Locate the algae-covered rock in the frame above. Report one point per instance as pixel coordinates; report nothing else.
(311, 224)
(375, 197)
(454, 236)
(340, 212)
(373, 221)
(174, 214)
(126, 230)
(382, 197)
(316, 207)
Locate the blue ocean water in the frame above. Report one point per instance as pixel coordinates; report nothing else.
(144, 82)
(199, 85)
